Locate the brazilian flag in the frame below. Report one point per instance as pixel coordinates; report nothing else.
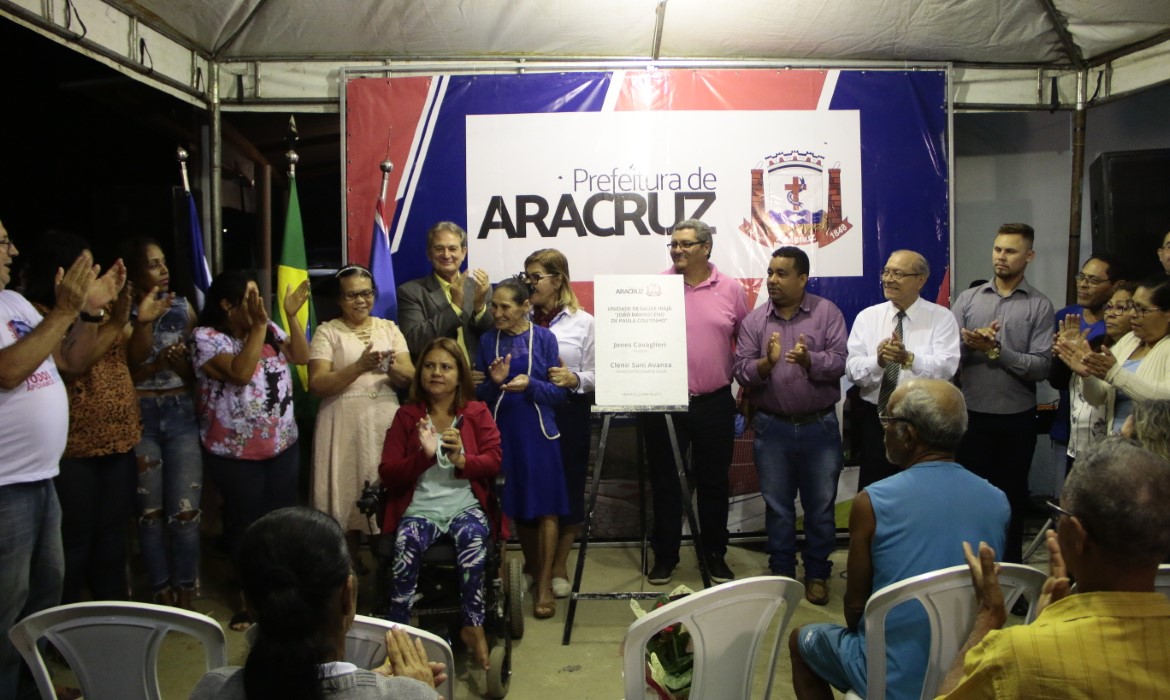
(293, 270)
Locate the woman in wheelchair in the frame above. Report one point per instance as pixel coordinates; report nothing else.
(294, 567)
(441, 454)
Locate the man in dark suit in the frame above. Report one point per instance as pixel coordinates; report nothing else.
(447, 303)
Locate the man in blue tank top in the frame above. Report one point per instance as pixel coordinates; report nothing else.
(899, 527)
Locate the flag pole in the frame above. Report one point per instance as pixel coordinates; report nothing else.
(387, 168)
(181, 155)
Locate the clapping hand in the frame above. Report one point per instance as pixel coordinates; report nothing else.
(798, 355)
(498, 370)
(985, 579)
(427, 437)
(107, 287)
(407, 658)
(1057, 585)
(73, 285)
(1069, 328)
(1072, 352)
(517, 384)
(982, 339)
(173, 357)
(371, 359)
(774, 348)
(453, 446)
(483, 287)
(152, 306)
(120, 311)
(1098, 364)
(294, 299)
(254, 310)
(891, 350)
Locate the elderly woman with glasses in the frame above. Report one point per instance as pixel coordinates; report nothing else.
(1137, 368)
(356, 362)
(1086, 421)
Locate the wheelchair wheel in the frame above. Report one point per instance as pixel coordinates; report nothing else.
(515, 598)
(499, 676)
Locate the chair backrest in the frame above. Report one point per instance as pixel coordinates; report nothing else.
(112, 646)
(365, 647)
(727, 623)
(1162, 580)
(949, 601)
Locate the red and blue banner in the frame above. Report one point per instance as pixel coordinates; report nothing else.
(848, 164)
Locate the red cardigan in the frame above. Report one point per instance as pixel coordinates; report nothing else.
(403, 460)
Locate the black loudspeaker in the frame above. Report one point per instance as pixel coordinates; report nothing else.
(1129, 199)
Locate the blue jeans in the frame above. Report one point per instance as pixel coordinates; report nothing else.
(806, 459)
(170, 484)
(32, 570)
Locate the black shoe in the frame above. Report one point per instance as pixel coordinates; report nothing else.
(661, 573)
(719, 571)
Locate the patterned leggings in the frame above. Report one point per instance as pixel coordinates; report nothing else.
(415, 535)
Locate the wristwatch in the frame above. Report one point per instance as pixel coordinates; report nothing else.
(993, 353)
(93, 318)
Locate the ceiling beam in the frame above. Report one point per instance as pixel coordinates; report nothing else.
(1070, 46)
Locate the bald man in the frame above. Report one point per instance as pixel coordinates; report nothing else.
(900, 339)
(899, 527)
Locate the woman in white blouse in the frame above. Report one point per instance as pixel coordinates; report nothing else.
(555, 306)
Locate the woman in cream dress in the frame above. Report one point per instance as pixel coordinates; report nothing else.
(356, 363)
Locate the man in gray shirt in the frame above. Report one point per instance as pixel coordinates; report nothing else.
(1006, 331)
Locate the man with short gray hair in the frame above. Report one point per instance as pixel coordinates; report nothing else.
(1110, 638)
(899, 527)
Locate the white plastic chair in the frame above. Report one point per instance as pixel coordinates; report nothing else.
(727, 623)
(949, 601)
(1162, 580)
(365, 647)
(112, 646)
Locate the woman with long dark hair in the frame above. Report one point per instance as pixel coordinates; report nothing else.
(245, 401)
(170, 466)
(294, 568)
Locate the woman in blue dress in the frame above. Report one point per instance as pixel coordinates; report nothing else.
(515, 357)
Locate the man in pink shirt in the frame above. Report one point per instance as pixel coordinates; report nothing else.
(715, 305)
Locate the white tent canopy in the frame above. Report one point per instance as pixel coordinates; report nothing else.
(271, 54)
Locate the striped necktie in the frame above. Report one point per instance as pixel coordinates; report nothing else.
(891, 372)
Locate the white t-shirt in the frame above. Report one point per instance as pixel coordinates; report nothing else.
(34, 417)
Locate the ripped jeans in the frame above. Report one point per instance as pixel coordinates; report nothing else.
(170, 483)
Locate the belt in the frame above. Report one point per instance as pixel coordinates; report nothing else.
(721, 391)
(799, 418)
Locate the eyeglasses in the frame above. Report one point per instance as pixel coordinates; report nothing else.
(7, 244)
(366, 294)
(1055, 511)
(898, 275)
(1092, 281)
(535, 277)
(1122, 308)
(887, 420)
(1141, 311)
(683, 245)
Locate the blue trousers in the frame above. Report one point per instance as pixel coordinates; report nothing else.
(32, 571)
(170, 482)
(471, 533)
(804, 459)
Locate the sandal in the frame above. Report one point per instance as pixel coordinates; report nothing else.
(543, 611)
(241, 622)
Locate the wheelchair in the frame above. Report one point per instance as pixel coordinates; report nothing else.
(437, 599)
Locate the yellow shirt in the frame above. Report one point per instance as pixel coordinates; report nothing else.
(1089, 645)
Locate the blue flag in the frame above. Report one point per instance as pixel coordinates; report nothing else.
(386, 303)
(200, 272)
